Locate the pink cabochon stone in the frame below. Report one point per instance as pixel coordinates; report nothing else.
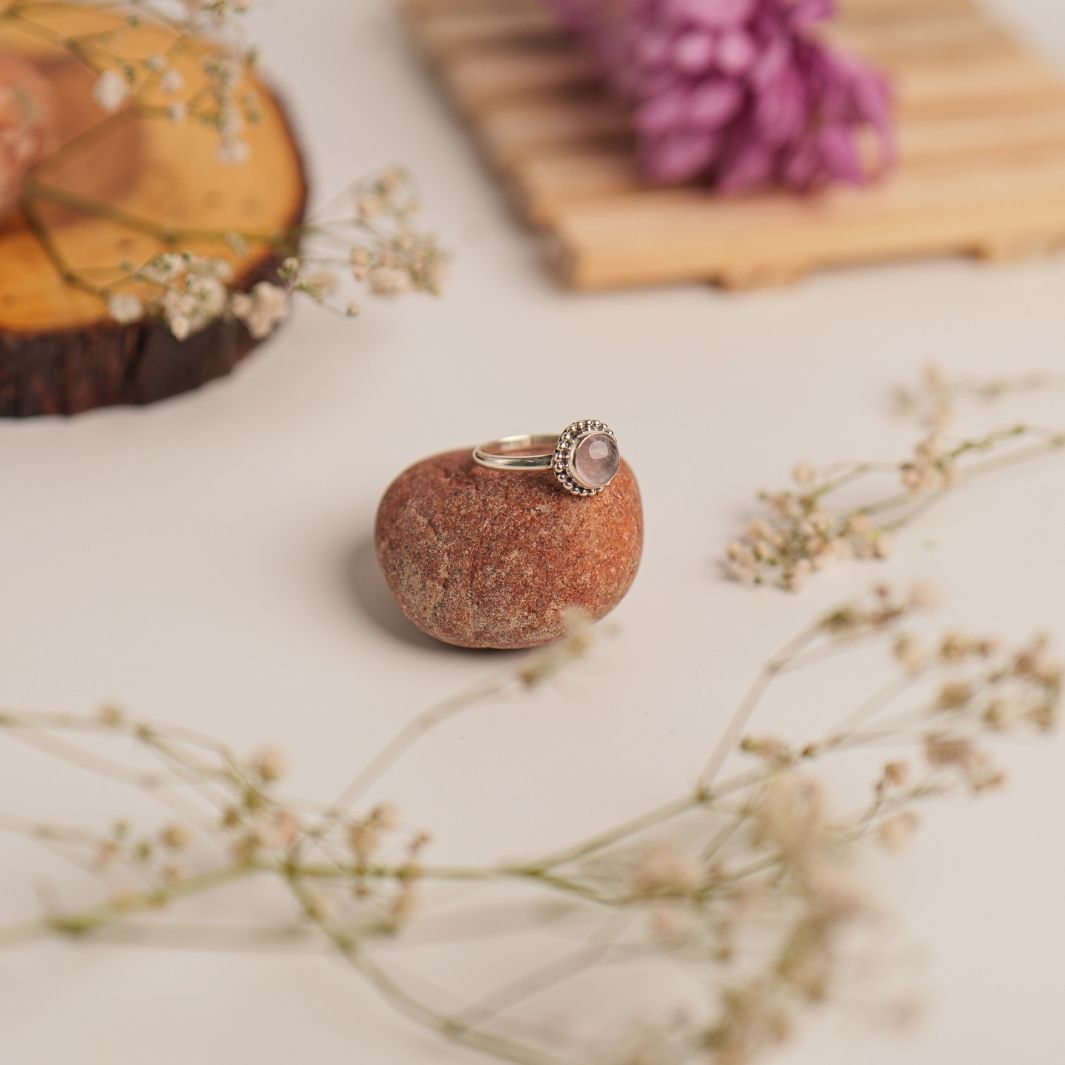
(490, 559)
(596, 460)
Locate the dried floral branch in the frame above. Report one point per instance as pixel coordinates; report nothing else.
(742, 881)
(369, 245)
(375, 246)
(935, 398)
(842, 511)
(208, 32)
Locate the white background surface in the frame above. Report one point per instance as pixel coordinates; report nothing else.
(191, 561)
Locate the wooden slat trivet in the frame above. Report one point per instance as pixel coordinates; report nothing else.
(981, 129)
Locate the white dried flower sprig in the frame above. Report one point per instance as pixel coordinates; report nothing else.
(934, 400)
(842, 511)
(371, 244)
(375, 248)
(207, 34)
(745, 883)
(189, 292)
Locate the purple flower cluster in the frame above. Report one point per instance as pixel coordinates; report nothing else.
(740, 93)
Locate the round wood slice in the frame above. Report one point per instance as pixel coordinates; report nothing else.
(60, 352)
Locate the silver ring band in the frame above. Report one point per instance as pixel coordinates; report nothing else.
(584, 457)
(518, 453)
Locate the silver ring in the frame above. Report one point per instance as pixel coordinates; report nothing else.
(584, 457)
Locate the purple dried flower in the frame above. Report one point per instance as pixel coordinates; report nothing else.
(740, 93)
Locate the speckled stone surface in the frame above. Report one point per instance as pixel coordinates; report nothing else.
(481, 558)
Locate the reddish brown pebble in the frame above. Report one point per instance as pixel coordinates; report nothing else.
(482, 558)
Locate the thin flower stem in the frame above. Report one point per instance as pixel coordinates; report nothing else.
(767, 837)
(243, 938)
(44, 237)
(92, 762)
(407, 738)
(479, 1013)
(1055, 441)
(87, 137)
(41, 191)
(407, 1004)
(470, 874)
(16, 18)
(83, 922)
(872, 706)
(625, 830)
(751, 701)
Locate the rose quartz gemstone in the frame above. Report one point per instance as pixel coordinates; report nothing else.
(596, 460)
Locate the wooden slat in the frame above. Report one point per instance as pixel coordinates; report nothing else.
(448, 27)
(421, 10)
(481, 78)
(981, 132)
(680, 235)
(515, 129)
(544, 185)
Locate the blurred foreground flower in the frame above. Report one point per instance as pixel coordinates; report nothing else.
(742, 93)
(742, 889)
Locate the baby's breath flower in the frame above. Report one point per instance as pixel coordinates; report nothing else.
(792, 813)
(833, 892)
(233, 151)
(955, 696)
(125, 307)
(665, 870)
(389, 281)
(896, 832)
(909, 653)
(111, 716)
(821, 518)
(163, 269)
(754, 885)
(172, 81)
(773, 751)
(366, 835)
(1004, 714)
(263, 310)
(268, 764)
(952, 751)
(175, 837)
(386, 816)
(111, 90)
(896, 774)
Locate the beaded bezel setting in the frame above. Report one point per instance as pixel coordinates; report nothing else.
(567, 462)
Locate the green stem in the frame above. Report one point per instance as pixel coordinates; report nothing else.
(84, 922)
(738, 722)
(1053, 441)
(624, 830)
(407, 1004)
(44, 237)
(15, 17)
(37, 190)
(531, 873)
